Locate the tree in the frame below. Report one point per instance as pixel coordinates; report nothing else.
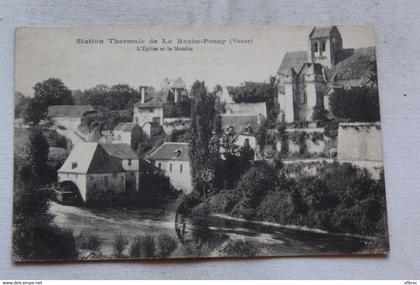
(203, 114)
(359, 104)
(21, 102)
(34, 237)
(47, 93)
(53, 92)
(37, 156)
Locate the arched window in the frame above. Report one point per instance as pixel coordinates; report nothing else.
(170, 167)
(180, 168)
(323, 46)
(315, 46)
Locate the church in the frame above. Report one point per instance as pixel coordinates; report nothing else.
(307, 78)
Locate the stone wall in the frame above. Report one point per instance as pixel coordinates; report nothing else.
(171, 124)
(304, 141)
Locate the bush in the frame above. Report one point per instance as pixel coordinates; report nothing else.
(165, 245)
(43, 242)
(240, 248)
(119, 244)
(88, 241)
(54, 139)
(142, 246)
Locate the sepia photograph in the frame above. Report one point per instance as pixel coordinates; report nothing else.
(205, 142)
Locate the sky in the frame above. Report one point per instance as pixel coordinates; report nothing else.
(42, 53)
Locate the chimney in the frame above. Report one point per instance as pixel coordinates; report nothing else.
(143, 94)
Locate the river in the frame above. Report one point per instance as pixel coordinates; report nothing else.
(273, 238)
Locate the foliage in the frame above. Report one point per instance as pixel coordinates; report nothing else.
(86, 240)
(253, 92)
(54, 139)
(21, 103)
(237, 248)
(143, 246)
(203, 158)
(319, 114)
(358, 104)
(254, 185)
(165, 245)
(155, 189)
(105, 119)
(182, 108)
(119, 244)
(34, 237)
(116, 97)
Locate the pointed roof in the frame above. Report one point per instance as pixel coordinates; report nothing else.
(321, 32)
(171, 151)
(120, 150)
(292, 60)
(90, 158)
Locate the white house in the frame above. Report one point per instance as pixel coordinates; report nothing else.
(128, 133)
(68, 116)
(97, 175)
(244, 126)
(129, 161)
(148, 112)
(173, 159)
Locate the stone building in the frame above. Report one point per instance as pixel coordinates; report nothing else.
(68, 116)
(307, 78)
(97, 175)
(129, 161)
(148, 112)
(173, 159)
(244, 126)
(361, 145)
(128, 133)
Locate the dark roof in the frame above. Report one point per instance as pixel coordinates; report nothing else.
(120, 150)
(102, 162)
(240, 122)
(292, 59)
(171, 151)
(126, 127)
(321, 32)
(353, 64)
(68, 110)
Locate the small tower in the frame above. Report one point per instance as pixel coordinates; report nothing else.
(323, 45)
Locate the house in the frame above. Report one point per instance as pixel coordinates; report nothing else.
(129, 161)
(148, 112)
(128, 133)
(173, 159)
(175, 88)
(97, 175)
(307, 78)
(68, 116)
(244, 126)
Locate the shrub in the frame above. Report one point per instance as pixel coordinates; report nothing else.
(119, 244)
(165, 245)
(237, 248)
(86, 240)
(142, 246)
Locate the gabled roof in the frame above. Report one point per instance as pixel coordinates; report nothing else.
(73, 111)
(125, 127)
(90, 158)
(171, 151)
(120, 150)
(294, 60)
(241, 122)
(321, 32)
(353, 64)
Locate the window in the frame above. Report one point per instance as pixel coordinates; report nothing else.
(316, 47)
(160, 165)
(180, 168)
(246, 143)
(114, 175)
(170, 167)
(73, 165)
(129, 162)
(323, 46)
